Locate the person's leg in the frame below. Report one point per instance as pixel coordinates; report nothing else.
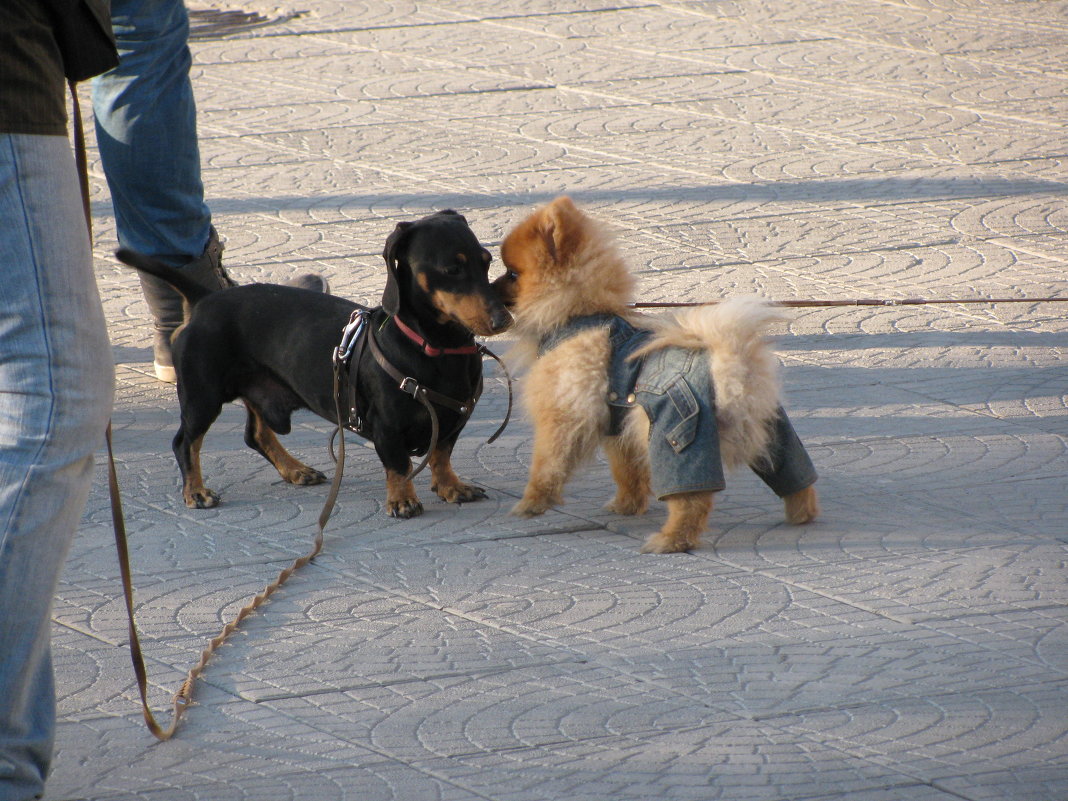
(146, 129)
(147, 133)
(56, 379)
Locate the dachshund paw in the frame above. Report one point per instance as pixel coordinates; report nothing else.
(459, 492)
(305, 476)
(200, 498)
(404, 508)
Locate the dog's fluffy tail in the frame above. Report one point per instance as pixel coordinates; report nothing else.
(191, 289)
(745, 371)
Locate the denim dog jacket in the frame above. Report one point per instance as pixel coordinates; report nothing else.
(674, 387)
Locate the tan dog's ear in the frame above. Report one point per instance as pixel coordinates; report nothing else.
(561, 228)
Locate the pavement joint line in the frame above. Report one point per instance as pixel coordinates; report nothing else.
(871, 609)
(1010, 245)
(1019, 608)
(428, 678)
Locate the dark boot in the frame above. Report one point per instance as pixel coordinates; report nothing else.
(168, 307)
(208, 269)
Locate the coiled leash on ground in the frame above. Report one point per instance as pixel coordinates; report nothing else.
(184, 697)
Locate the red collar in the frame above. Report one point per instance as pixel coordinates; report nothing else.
(430, 350)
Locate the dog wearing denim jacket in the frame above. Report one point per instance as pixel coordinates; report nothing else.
(672, 402)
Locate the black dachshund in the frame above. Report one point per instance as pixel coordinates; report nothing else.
(273, 346)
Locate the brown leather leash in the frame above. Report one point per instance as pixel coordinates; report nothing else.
(801, 304)
(184, 697)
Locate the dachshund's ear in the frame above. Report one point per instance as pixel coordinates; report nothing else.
(393, 254)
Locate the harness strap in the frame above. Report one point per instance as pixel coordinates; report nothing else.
(426, 396)
(355, 336)
(349, 353)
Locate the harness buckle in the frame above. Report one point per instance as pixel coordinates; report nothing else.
(410, 386)
(350, 334)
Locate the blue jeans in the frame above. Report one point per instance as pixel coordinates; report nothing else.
(146, 130)
(675, 388)
(56, 379)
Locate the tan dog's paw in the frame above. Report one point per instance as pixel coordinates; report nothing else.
(459, 492)
(531, 507)
(200, 498)
(802, 507)
(627, 506)
(667, 543)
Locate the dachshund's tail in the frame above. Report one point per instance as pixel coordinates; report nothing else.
(191, 289)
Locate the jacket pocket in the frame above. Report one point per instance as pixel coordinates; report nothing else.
(684, 415)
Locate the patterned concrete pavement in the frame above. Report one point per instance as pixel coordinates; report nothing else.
(911, 645)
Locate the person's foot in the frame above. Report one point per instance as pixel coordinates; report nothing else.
(162, 365)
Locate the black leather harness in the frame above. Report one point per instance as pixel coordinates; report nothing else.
(357, 336)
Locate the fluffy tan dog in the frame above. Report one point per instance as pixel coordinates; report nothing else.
(569, 288)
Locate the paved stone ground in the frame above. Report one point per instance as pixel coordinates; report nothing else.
(912, 644)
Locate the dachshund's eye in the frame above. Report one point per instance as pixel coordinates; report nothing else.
(456, 266)
(512, 275)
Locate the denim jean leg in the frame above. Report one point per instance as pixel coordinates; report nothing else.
(147, 133)
(56, 380)
(787, 468)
